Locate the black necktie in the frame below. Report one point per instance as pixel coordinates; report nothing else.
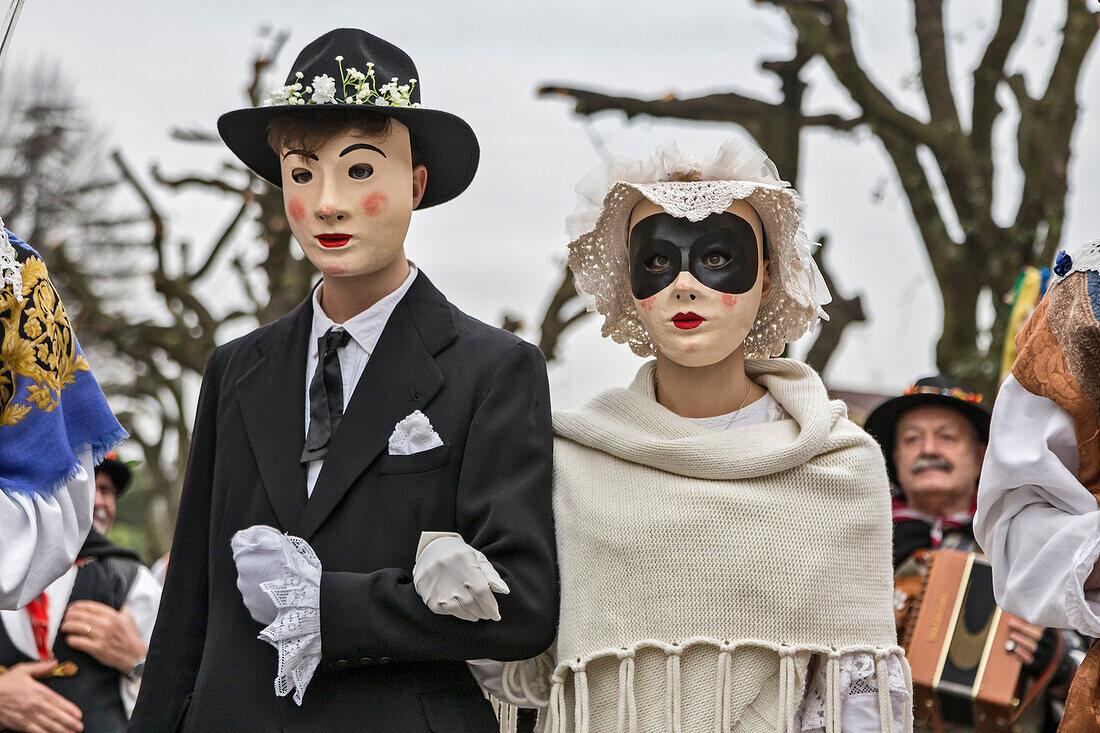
(326, 394)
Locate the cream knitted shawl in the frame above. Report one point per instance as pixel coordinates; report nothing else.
(725, 559)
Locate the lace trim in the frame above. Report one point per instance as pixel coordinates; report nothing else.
(858, 676)
(1081, 259)
(11, 269)
(597, 255)
(296, 630)
(1080, 613)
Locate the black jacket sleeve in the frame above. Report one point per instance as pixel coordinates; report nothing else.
(177, 642)
(503, 509)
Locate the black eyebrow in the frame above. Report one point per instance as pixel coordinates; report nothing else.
(303, 153)
(360, 146)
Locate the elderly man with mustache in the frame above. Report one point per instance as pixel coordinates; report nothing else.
(934, 439)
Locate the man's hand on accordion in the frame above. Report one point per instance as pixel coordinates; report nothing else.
(1025, 637)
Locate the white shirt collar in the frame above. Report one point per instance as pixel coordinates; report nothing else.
(366, 327)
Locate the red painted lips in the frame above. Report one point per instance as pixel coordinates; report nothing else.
(687, 320)
(333, 240)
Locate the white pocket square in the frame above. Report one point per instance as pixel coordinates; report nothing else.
(412, 435)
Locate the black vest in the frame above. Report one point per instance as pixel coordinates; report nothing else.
(106, 577)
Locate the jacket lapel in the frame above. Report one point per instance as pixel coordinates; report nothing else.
(272, 397)
(400, 377)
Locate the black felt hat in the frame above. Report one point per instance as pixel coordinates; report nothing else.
(443, 142)
(117, 471)
(939, 390)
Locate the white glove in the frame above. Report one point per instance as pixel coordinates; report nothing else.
(258, 552)
(454, 579)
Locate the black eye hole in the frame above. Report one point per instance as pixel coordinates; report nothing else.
(715, 260)
(658, 263)
(360, 172)
(300, 175)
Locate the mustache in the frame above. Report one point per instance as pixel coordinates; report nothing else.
(929, 463)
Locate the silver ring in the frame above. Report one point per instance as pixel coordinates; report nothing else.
(1010, 646)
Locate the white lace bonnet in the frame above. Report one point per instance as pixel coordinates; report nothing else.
(694, 188)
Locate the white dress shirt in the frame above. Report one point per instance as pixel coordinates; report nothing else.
(142, 602)
(40, 535)
(365, 330)
(1039, 526)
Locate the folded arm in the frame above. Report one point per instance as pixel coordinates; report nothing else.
(502, 510)
(1036, 522)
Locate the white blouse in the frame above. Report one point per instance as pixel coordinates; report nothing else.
(1039, 527)
(40, 535)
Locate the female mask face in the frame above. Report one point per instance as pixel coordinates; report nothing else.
(697, 286)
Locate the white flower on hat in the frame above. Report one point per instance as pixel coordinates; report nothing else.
(693, 188)
(324, 89)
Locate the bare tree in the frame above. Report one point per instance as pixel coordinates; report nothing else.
(145, 301)
(987, 256)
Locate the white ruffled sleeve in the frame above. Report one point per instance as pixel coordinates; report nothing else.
(296, 630)
(41, 534)
(859, 695)
(1039, 527)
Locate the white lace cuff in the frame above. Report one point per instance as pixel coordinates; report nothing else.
(858, 683)
(296, 630)
(1081, 611)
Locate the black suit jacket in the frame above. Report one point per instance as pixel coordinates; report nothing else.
(388, 663)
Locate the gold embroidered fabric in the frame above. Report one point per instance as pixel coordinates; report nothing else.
(38, 345)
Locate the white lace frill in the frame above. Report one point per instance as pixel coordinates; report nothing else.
(694, 188)
(1082, 258)
(296, 630)
(858, 683)
(11, 270)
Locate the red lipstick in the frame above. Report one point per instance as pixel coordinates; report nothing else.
(687, 320)
(332, 241)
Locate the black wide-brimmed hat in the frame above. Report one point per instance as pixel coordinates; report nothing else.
(939, 390)
(117, 471)
(442, 142)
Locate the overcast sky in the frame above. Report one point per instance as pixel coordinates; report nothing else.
(144, 66)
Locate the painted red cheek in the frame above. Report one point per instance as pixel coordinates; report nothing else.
(647, 304)
(729, 299)
(296, 208)
(375, 203)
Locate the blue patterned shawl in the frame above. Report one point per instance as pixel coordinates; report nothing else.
(51, 407)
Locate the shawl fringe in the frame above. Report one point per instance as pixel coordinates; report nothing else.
(553, 718)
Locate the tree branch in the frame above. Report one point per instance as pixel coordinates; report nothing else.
(935, 80)
(988, 76)
(226, 235)
(195, 180)
(843, 312)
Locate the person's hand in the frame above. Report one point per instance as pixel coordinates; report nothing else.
(259, 553)
(108, 635)
(1025, 637)
(28, 705)
(454, 579)
(1093, 581)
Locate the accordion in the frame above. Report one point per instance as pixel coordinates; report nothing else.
(954, 636)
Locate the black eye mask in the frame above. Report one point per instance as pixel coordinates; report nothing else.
(720, 251)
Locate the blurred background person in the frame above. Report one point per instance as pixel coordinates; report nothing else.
(98, 616)
(934, 438)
